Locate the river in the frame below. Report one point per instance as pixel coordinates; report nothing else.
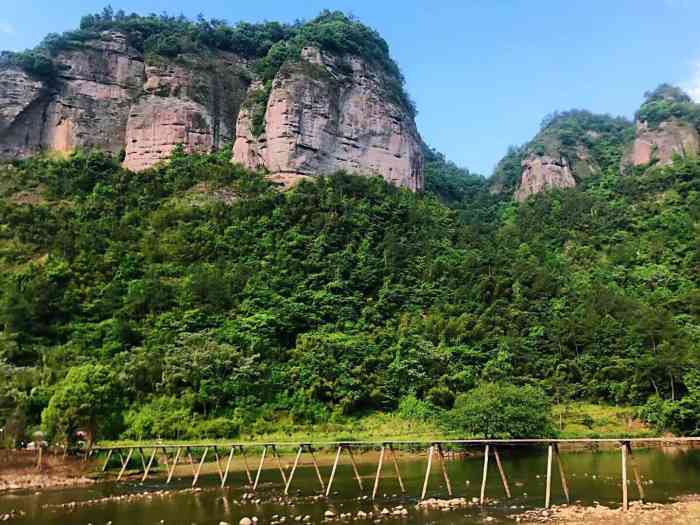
(594, 476)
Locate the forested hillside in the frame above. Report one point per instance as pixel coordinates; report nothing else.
(193, 298)
(196, 298)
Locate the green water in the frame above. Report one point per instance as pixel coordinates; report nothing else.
(593, 477)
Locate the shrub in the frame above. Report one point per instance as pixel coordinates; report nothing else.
(412, 408)
(500, 410)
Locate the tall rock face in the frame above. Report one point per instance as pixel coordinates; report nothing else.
(22, 108)
(661, 143)
(194, 104)
(321, 113)
(569, 147)
(105, 96)
(540, 173)
(326, 113)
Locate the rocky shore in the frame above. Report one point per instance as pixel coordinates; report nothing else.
(684, 511)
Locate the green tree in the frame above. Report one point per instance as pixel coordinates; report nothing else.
(501, 410)
(89, 399)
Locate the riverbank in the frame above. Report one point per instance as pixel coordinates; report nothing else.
(29, 478)
(685, 511)
(573, 420)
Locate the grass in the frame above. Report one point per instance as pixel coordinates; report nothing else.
(587, 420)
(579, 420)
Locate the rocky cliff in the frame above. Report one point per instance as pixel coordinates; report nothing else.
(540, 173)
(104, 96)
(660, 144)
(569, 147)
(667, 126)
(325, 113)
(320, 112)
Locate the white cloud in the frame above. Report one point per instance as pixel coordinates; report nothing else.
(6, 29)
(692, 85)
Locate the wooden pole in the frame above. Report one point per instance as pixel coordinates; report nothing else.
(443, 466)
(504, 479)
(623, 450)
(245, 464)
(199, 469)
(218, 463)
(228, 466)
(172, 469)
(335, 466)
(126, 462)
(191, 461)
(109, 456)
(562, 475)
(294, 468)
(354, 468)
(279, 464)
(167, 460)
(427, 472)
(379, 471)
(143, 458)
(637, 477)
(148, 467)
(318, 471)
(485, 474)
(260, 466)
(396, 468)
(548, 488)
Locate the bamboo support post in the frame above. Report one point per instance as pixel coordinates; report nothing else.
(143, 459)
(260, 466)
(485, 474)
(165, 457)
(245, 465)
(379, 471)
(443, 466)
(635, 471)
(501, 472)
(148, 467)
(548, 488)
(396, 468)
(427, 472)
(218, 464)
(318, 471)
(199, 468)
(172, 469)
(279, 464)
(109, 456)
(335, 466)
(228, 466)
(191, 461)
(354, 467)
(623, 451)
(294, 468)
(39, 456)
(124, 465)
(562, 475)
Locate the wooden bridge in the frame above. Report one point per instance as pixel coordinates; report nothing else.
(172, 454)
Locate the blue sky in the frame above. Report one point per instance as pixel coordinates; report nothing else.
(483, 73)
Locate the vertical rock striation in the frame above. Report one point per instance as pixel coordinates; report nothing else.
(661, 143)
(326, 113)
(540, 173)
(322, 112)
(104, 96)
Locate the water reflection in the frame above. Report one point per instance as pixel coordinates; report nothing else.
(592, 476)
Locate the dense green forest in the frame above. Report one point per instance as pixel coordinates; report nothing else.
(194, 298)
